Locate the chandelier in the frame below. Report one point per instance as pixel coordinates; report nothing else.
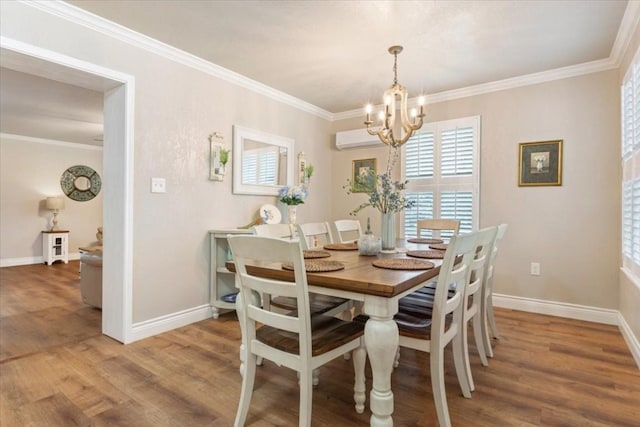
(408, 123)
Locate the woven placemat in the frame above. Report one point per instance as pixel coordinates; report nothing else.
(317, 266)
(342, 246)
(439, 246)
(404, 264)
(311, 254)
(424, 240)
(426, 254)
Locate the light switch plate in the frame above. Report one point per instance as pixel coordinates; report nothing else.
(158, 185)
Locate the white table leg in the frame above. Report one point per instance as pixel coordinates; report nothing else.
(381, 341)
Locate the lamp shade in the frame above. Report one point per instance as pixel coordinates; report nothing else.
(55, 203)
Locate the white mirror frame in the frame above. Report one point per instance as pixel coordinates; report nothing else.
(241, 133)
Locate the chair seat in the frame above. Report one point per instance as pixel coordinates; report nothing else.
(328, 333)
(318, 304)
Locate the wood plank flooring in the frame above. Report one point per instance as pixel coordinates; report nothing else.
(56, 369)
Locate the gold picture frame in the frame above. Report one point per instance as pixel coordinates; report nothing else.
(540, 164)
(363, 174)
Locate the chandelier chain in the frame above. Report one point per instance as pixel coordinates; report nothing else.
(395, 68)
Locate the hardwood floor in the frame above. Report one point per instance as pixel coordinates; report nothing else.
(56, 369)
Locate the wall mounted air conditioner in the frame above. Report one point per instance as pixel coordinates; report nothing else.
(355, 138)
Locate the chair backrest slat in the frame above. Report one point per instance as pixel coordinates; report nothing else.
(484, 249)
(314, 235)
(349, 230)
(437, 225)
(454, 273)
(282, 231)
(269, 250)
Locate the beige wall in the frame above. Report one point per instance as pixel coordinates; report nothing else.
(176, 108)
(30, 172)
(571, 230)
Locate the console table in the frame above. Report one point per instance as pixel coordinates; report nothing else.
(221, 280)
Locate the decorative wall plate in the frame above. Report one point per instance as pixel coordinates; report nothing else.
(80, 183)
(270, 214)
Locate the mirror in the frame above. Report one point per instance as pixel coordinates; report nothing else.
(262, 163)
(80, 183)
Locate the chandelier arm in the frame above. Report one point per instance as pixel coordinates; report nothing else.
(408, 125)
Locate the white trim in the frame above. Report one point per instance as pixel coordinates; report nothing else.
(13, 262)
(511, 83)
(111, 29)
(560, 309)
(117, 300)
(633, 278)
(632, 341)
(56, 142)
(126, 35)
(151, 327)
(31, 260)
(629, 23)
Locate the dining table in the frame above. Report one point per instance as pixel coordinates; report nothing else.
(378, 289)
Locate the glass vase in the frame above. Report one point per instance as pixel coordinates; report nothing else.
(293, 211)
(388, 234)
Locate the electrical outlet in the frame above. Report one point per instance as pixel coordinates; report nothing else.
(158, 185)
(535, 268)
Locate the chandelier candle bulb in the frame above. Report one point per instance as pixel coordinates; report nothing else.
(409, 123)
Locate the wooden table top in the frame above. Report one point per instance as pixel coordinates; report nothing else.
(359, 275)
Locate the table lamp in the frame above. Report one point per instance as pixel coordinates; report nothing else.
(55, 204)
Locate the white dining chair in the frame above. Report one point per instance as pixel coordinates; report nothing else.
(348, 230)
(432, 330)
(282, 231)
(314, 235)
(473, 297)
(487, 295)
(436, 226)
(325, 304)
(298, 340)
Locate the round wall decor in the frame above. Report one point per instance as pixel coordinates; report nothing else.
(80, 183)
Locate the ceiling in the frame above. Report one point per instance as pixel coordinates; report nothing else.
(333, 54)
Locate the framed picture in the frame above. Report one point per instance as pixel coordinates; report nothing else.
(363, 175)
(540, 163)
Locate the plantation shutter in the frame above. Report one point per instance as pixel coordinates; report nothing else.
(630, 127)
(249, 168)
(442, 166)
(268, 168)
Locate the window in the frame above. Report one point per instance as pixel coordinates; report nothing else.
(442, 166)
(630, 97)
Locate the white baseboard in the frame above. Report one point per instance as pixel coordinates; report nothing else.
(161, 324)
(573, 311)
(13, 262)
(632, 341)
(560, 309)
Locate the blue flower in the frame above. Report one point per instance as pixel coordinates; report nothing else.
(293, 195)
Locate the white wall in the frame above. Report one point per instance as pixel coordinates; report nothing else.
(30, 171)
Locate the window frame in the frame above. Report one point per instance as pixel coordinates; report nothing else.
(630, 164)
(439, 184)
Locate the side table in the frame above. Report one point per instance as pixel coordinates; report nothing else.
(55, 246)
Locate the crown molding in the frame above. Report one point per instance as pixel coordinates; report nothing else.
(79, 16)
(66, 144)
(511, 83)
(133, 38)
(630, 22)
